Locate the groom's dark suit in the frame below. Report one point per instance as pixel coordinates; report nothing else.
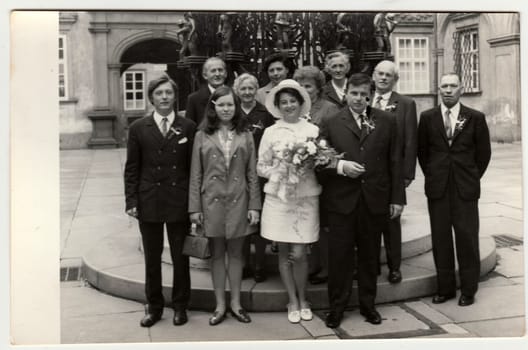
(358, 208)
(157, 184)
(452, 186)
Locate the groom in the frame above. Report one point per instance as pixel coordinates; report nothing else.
(360, 194)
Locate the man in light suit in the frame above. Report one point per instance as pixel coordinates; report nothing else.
(454, 151)
(360, 193)
(157, 190)
(215, 73)
(385, 76)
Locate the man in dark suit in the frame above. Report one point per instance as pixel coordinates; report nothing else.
(454, 151)
(385, 76)
(359, 194)
(215, 73)
(157, 189)
(337, 64)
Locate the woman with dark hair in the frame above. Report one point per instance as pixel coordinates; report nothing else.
(224, 194)
(290, 218)
(313, 80)
(277, 67)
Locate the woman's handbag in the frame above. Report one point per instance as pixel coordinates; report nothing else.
(196, 245)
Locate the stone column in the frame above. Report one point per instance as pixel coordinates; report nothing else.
(103, 117)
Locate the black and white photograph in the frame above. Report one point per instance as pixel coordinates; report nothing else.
(281, 175)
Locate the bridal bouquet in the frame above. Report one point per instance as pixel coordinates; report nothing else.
(291, 160)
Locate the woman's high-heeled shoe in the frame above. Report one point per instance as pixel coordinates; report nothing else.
(242, 315)
(217, 318)
(294, 316)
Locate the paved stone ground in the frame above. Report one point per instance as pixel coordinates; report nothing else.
(91, 185)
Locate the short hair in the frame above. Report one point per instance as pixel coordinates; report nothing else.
(153, 84)
(276, 57)
(452, 73)
(242, 78)
(311, 72)
(211, 122)
(337, 54)
(209, 61)
(393, 66)
(288, 90)
(358, 79)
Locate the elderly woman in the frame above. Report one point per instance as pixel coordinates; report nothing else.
(292, 218)
(277, 68)
(258, 119)
(337, 64)
(313, 80)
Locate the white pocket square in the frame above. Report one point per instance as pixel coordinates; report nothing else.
(183, 140)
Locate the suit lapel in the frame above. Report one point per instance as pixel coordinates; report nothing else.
(174, 131)
(237, 141)
(350, 123)
(463, 117)
(438, 123)
(331, 94)
(154, 130)
(364, 132)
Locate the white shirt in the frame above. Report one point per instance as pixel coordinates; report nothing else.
(340, 91)
(384, 99)
(158, 118)
(453, 117)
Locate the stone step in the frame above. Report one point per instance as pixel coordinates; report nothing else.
(414, 242)
(116, 267)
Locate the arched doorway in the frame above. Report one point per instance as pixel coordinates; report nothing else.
(140, 63)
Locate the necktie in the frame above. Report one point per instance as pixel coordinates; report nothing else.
(164, 122)
(377, 103)
(447, 124)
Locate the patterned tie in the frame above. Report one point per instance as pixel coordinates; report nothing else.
(164, 122)
(363, 128)
(377, 103)
(447, 124)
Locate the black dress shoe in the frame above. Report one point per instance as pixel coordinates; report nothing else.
(318, 279)
(150, 319)
(333, 319)
(439, 299)
(259, 275)
(371, 316)
(395, 276)
(466, 300)
(242, 315)
(217, 318)
(180, 317)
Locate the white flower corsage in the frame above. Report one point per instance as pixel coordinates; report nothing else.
(392, 107)
(174, 131)
(461, 121)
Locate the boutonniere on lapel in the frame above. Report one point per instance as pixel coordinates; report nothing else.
(174, 131)
(461, 121)
(391, 107)
(255, 127)
(369, 124)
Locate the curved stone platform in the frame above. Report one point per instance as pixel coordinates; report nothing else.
(414, 242)
(116, 267)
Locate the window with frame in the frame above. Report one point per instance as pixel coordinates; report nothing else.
(134, 90)
(63, 69)
(467, 63)
(412, 59)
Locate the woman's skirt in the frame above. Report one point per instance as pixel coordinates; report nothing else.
(295, 221)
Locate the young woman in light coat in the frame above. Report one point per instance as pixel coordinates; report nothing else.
(224, 194)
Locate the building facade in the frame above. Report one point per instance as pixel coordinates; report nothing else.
(107, 58)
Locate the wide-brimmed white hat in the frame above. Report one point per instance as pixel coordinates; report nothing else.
(288, 83)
